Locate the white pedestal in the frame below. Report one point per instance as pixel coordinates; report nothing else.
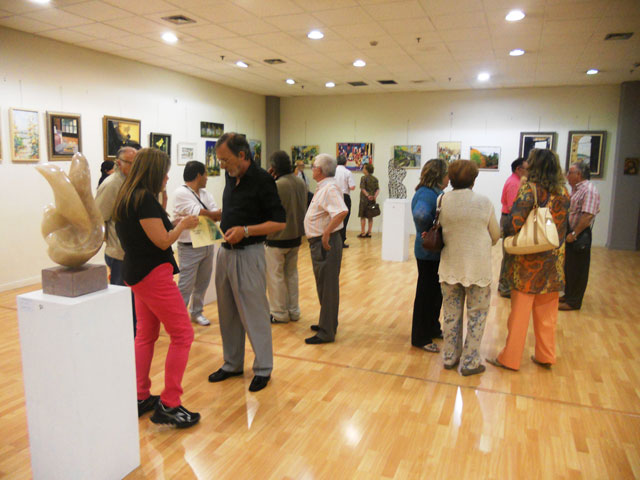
(395, 229)
(78, 365)
(210, 295)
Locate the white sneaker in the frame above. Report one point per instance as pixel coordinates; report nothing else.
(201, 320)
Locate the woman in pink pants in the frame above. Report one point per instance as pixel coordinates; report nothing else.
(146, 235)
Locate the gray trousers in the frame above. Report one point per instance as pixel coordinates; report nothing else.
(196, 267)
(282, 283)
(326, 269)
(478, 301)
(243, 307)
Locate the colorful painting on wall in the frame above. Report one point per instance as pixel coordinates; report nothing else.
(631, 166)
(357, 154)
(304, 153)
(449, 151)
(256, 151)
(63, 135)
(588, 146)
(540, 140)
(25, 135)
(161, 141)
(211, 129)
(119, 132)
(407, 156)
(212, 163)
(486, 158)
(186, 152)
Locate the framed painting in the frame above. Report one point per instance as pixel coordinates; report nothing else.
(588, 146)
(357, 154)
(449, 151)
(486, 158)
(211, 129)
(304, 153)
(186, 152)
(407, 156)
(63, 135)
(256, 151)
(631, 166)
(24, 127)
(161, 141)
(212, 163)
(540, 140)
(119, 132)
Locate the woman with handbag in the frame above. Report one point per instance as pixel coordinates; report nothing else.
(536, 278)
(469, 229)
(368, 209)
(426, 307)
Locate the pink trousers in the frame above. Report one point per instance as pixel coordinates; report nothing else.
(158, 300)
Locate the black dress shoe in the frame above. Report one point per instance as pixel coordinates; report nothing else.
(220, 375)
(344, 245)
(315, 340)
(315, 328)
(258, 383)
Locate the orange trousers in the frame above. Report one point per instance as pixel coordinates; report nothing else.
(544, 307)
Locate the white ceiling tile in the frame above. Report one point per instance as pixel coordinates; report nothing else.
(301, 21)
(103, 46)
(553, 27)
(463, 34)
(318, 5)
(68, 36)
(395, 10)
(99, 30)
(25, 24)
(593, 9)
(343, 16)
(135, 41)
(411, 39)
(417, 26)
(196, 47)
(257, 54)
(619, 25)
(623, 8)
(369, 30)
(250, 27)
(443, 7)
(207, 32)
(142, 7)
(223, 12)
(14, 6)
(235, 42)
(330, 45)
(5, 13)
(269, 8)
(96, 10)
(59, 18)
(459, 20)
(137, 25)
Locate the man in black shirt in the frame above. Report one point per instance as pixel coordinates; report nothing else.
(251, 210)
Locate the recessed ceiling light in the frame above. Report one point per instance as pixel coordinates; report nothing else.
(241, 64)
(517, 52)
(484, 76)
(290, 81)
(329, 84)
(514, 16)
(315, 35)
(593, 71)
(169, 37)
(359, 63)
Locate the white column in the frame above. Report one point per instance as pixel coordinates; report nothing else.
(396, 225)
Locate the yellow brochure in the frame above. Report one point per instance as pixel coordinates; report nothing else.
(206, 233)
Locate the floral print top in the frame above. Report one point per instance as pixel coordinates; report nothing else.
(538, 272)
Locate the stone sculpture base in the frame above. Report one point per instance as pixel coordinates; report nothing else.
(73, 282)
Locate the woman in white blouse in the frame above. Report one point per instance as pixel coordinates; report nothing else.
(469, 229)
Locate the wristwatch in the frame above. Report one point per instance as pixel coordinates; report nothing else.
(246, 231)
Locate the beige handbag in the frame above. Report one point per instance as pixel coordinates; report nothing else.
(538, 234)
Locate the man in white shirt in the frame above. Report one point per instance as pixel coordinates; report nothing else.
(344, 180)
(322, 225)
(196, 264)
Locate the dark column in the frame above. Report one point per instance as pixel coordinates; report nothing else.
(273, 128)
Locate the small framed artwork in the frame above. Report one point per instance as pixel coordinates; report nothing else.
(631, 166)
(256, 151)
(449, 151)
(211, 129)
(161, 141)
(186, 152)
(306, 153)
(119, 132)
(24, 126)
(64, 138)
(588, 146)
(357, 154)
(540, 140)
(213, 165)
(407, 156)
(486, 158)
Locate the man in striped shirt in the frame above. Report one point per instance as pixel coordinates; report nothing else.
(322, 225)
(585, 205)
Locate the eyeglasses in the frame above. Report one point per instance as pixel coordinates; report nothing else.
(128, 162)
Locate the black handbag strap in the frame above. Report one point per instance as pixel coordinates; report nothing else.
(197, 197)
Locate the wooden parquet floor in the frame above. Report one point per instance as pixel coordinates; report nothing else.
(370, 406)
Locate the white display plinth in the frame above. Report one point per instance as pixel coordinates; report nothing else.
(395, 229)
(78, 365)
(210, 295)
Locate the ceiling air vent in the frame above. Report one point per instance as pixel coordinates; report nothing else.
(420, 81)
(618, 36)
(178, 20)
(357, 84)
(274, 61)
(387, 82)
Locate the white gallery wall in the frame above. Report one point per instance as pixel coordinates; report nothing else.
(42, 74)
(487, 117)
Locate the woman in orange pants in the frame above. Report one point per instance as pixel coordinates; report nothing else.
(536, 279)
